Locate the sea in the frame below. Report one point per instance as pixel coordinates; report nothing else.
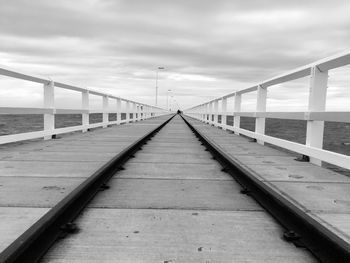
(336, 134)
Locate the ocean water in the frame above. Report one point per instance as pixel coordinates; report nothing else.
(336, 134)
(13, 124)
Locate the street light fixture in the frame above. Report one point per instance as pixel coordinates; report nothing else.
(159, 68)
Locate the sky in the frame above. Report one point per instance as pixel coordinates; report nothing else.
(208, 48)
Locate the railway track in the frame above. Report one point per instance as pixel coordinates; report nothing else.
(173, 196)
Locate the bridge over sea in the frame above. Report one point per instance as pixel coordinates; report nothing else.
(150, 185)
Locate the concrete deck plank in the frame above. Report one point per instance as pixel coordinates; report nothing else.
(210, 171)
(87, 148)
(44, 156)
(320, 197)
(243, 149)
(49, 169)
(297, 173)
(174, 150)
(174, 194)
(113, 235)
(35, 191)
(171, 158)
(268, 160)
(340, 223)
(66, 147)
(175, 140)
(175, 145)
(15, 221)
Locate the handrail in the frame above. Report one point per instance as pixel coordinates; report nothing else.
(139, 111)
(315, 116)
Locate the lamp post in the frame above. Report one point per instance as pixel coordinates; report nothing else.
(159, 68)
(167, 99)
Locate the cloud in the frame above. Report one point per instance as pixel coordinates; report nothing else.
(209, 48)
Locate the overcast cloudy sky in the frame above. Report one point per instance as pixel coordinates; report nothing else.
(208, 48)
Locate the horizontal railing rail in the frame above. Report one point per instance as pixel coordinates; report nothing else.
(133, 110)
(315, 116)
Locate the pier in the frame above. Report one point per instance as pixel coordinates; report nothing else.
(153, 185)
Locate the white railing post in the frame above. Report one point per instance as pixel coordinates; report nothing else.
(145, 112)
(127, 112)
(207, 113)
(136, 112)
(317, 102)
(134, 118)
(139, 113)
(202, 112)
(119, 110)
(237, 108)
(216, 111)
(85, 106)
(210, 107)
(224, 114)
(49, 102)
(260, 107)
(143, 116)
(105, 112)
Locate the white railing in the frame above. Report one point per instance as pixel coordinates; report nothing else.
(315, 116)
(139, 111)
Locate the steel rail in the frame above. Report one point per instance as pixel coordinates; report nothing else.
(301, 228)
(32, 245)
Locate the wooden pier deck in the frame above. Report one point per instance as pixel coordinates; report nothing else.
(172, 202)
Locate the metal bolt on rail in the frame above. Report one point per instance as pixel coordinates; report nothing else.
(104, 187)
(291, 236)
(303, 158)
(245, 191)
(68, 228)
